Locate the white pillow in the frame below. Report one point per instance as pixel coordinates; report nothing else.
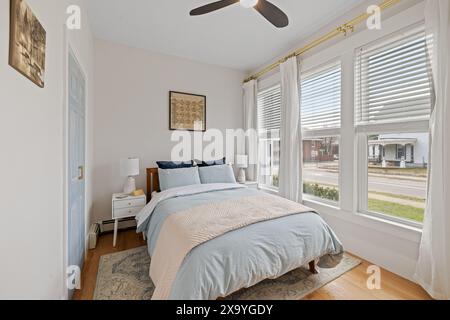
(173, 178)
(217, 174)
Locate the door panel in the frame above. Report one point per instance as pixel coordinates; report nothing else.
(76, 214)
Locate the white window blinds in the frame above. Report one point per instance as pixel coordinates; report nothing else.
(393, 82)
(321, 98)
(269, 108)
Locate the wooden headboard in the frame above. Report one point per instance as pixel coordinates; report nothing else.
(152, 182)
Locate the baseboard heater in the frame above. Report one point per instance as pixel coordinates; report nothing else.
(106, 222)
(94, 232)
(108, 225)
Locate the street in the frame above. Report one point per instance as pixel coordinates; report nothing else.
(384, 184)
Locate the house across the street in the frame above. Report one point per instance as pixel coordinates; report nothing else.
(399, 150)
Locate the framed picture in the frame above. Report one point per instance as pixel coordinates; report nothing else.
(26, 42)
(187, 111)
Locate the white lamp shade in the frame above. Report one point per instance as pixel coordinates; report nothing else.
(241, 161)
(129, 167)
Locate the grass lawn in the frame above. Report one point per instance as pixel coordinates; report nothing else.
(396, 210)
(386, 207)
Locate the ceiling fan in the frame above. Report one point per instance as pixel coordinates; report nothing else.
(268, 10)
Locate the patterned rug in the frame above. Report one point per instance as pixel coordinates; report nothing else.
(124, 276)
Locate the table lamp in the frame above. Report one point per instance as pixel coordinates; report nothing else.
(130, 169)
(242, 164)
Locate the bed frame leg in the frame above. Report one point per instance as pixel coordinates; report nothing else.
(312, 267)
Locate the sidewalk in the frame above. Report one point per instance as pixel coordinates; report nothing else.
(379, 175)
(406, 202)
(398, 177)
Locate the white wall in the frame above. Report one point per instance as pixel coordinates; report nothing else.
(32, 159)
(132, 110)
(390, 245)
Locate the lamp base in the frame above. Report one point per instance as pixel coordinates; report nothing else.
(241, 177)
(130, 185)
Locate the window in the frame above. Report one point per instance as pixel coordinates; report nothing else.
(321, 168)
(321, 98)
(269, 119)
(321, 121)
(393, 80)
(393, 104)
(397, 183)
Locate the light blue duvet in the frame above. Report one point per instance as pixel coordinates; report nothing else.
(244, 257)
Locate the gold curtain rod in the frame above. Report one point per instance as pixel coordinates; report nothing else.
(341, 30)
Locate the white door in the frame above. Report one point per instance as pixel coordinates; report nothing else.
(76, 214)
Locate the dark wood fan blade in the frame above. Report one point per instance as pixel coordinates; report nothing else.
(212, 7)
(272, 13)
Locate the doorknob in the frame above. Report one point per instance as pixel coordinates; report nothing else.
(81, 173)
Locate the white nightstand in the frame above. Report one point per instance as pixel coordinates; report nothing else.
(251, 184)
(125, 208)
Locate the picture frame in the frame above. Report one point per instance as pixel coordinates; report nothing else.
(27, 42)
(187, 111)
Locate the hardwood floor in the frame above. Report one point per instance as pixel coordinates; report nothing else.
(351, 285)
(127, 239)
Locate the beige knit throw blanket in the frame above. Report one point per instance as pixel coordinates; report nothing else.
(185, 230)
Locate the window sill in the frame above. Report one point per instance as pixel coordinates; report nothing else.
(321, 202)
(391, 222)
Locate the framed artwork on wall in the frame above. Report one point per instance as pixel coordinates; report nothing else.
(27, 42)
(187, 111)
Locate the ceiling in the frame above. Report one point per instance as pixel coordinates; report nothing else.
(233, 37)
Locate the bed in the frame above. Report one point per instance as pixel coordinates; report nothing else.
(199, 253)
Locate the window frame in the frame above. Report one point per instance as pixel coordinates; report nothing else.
(263, 85)
(348, 213)
(400, 34)
(363, 163)
(334, 133)
(324, 133)
(261, 185)
(362, 131)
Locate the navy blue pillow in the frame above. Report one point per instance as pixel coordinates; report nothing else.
(220, 162)
(174, 164)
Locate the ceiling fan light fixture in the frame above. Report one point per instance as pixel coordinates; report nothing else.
(268, 10)
(248, 3)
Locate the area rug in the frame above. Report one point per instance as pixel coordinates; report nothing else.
(124, 276)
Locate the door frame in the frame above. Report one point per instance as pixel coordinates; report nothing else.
(68, 49)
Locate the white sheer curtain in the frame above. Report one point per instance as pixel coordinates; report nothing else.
(290, 180)
(250, 126)
(433, 267)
